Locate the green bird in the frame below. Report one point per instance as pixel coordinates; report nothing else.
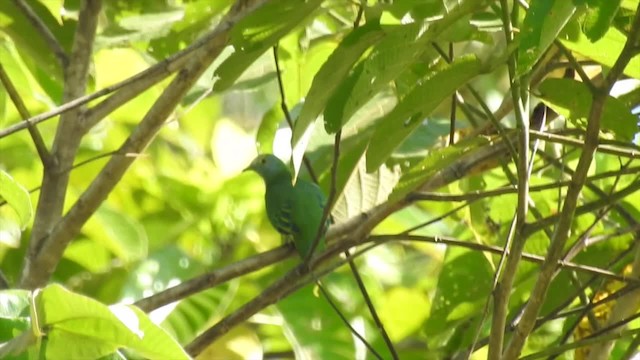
(294, 210)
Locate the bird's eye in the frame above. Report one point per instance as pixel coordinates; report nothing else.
(263, 161)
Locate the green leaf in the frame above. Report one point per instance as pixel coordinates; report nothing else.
(258, 32)
(311, 322)
(191, 315)
(44, 65)
(463, 285)
(332, 73)
(572, 100)
(155, 342)
(599, 16)
(78, 326)
(407, 116)
(629, 4)
(267, 130)
(119, 233)
(437, 160)
(14, 313)
(399, 322)
(17, 197)
(197, 17)
(605, 51)
(542, 24)
(364, 190)
(387, 60)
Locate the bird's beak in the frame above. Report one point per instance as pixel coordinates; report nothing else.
(248, 168)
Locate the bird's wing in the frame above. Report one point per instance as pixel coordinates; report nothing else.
(279, 202)
(307, 210)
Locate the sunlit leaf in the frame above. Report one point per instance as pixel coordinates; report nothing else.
(542, 24)
(119, 233)
(605, 51)
(600, 14)
(17, 197)
(437, 160)
(461, 292)
(407, 116)
(96, 329)
(572, 100)
(14, 311)
(257, 33)
(332, 73)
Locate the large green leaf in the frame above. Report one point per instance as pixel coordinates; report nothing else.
(544, 21)
(17, 197)
(364, 190)
(388, 58)
(465, 281)
(196, 18)
(331, 74)
(605, 51)
(119, 233)
(437, 160)
(407, 116)
(14, 313)
(309, 322)
(44, 65)
(258, 32)
(572, 100)
(600, 14)
(326, 80)
(79, 327)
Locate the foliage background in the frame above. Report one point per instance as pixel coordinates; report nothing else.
(184, 208)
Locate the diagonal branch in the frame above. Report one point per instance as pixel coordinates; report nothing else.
(43, 152)
(214, 278)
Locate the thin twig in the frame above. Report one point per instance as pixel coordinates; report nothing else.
(578, 344)
(500, 250)
(370, 306)
(44, 31)
(505, 277)
(452, 109)
(287, 114)
(327, 214)
(631, 152)
(41, 148)
(345, 321)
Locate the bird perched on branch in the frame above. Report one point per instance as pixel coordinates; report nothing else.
(294, 210)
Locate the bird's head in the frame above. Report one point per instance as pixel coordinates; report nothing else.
(269, 168)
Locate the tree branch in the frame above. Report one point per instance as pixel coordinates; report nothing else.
(41, 148)
(65, 144)
(214, 278)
